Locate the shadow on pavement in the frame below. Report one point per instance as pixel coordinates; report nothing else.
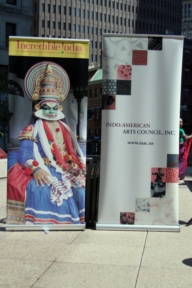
(3, 220)
(189, 184)
(181, 222)
(188, 262)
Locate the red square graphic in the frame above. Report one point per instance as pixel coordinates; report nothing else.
(172, 175)
(124, 72)
(139, 57)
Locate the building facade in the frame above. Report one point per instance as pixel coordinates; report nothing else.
(187, 19)
(15, 19)
(89, 19)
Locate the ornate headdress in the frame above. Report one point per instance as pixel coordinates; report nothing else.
(47, 81)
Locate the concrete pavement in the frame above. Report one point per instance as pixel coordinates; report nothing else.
(89, 259)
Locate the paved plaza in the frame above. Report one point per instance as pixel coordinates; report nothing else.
(90, 258)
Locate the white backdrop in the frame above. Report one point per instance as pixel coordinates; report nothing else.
(140, 131)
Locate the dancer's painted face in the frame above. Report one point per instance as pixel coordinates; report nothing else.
(50, 110)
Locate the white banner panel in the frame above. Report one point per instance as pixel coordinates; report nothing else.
(140, 131)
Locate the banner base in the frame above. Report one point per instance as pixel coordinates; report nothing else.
(45, 227)
(155, 228)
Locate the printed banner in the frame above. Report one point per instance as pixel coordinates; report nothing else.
(47, 132)
(140, 131)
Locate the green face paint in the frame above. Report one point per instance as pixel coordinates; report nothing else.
(50, 110)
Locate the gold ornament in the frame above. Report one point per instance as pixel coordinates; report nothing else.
(61, 98)
(35, 97)
(37, 107)
(60, 107)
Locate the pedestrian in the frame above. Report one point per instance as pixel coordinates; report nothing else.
(184, 145)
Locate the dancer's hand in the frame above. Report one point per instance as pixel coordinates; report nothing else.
(41, 177)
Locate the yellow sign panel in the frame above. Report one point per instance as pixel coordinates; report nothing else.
(46, 47)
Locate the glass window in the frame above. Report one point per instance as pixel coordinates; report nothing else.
(74, 11)
(96, 16)
(43, 7)
(109, 18)
(43, 23)
(64, 10)
(10, 31)
(87, 14)
(54, 8)
(69, 26)
(12, 2)
(59, 25)
(101, 16)
(48, 8)
(59, 9)
(96, 90)
(48, 24)
(53, 24)
(64, 26)
(74, 27)
(69, 11)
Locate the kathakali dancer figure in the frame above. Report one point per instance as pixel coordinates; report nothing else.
(49, 176)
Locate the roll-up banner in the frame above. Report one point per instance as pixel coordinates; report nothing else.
(48, 81)
(140, 132)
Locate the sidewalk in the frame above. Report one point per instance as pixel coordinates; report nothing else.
(100, 259)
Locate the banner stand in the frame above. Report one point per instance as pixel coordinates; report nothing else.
(154, 228)
(45, 227)
(47, 174)
(140, 132)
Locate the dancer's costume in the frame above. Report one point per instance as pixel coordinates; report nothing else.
(51, 146)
